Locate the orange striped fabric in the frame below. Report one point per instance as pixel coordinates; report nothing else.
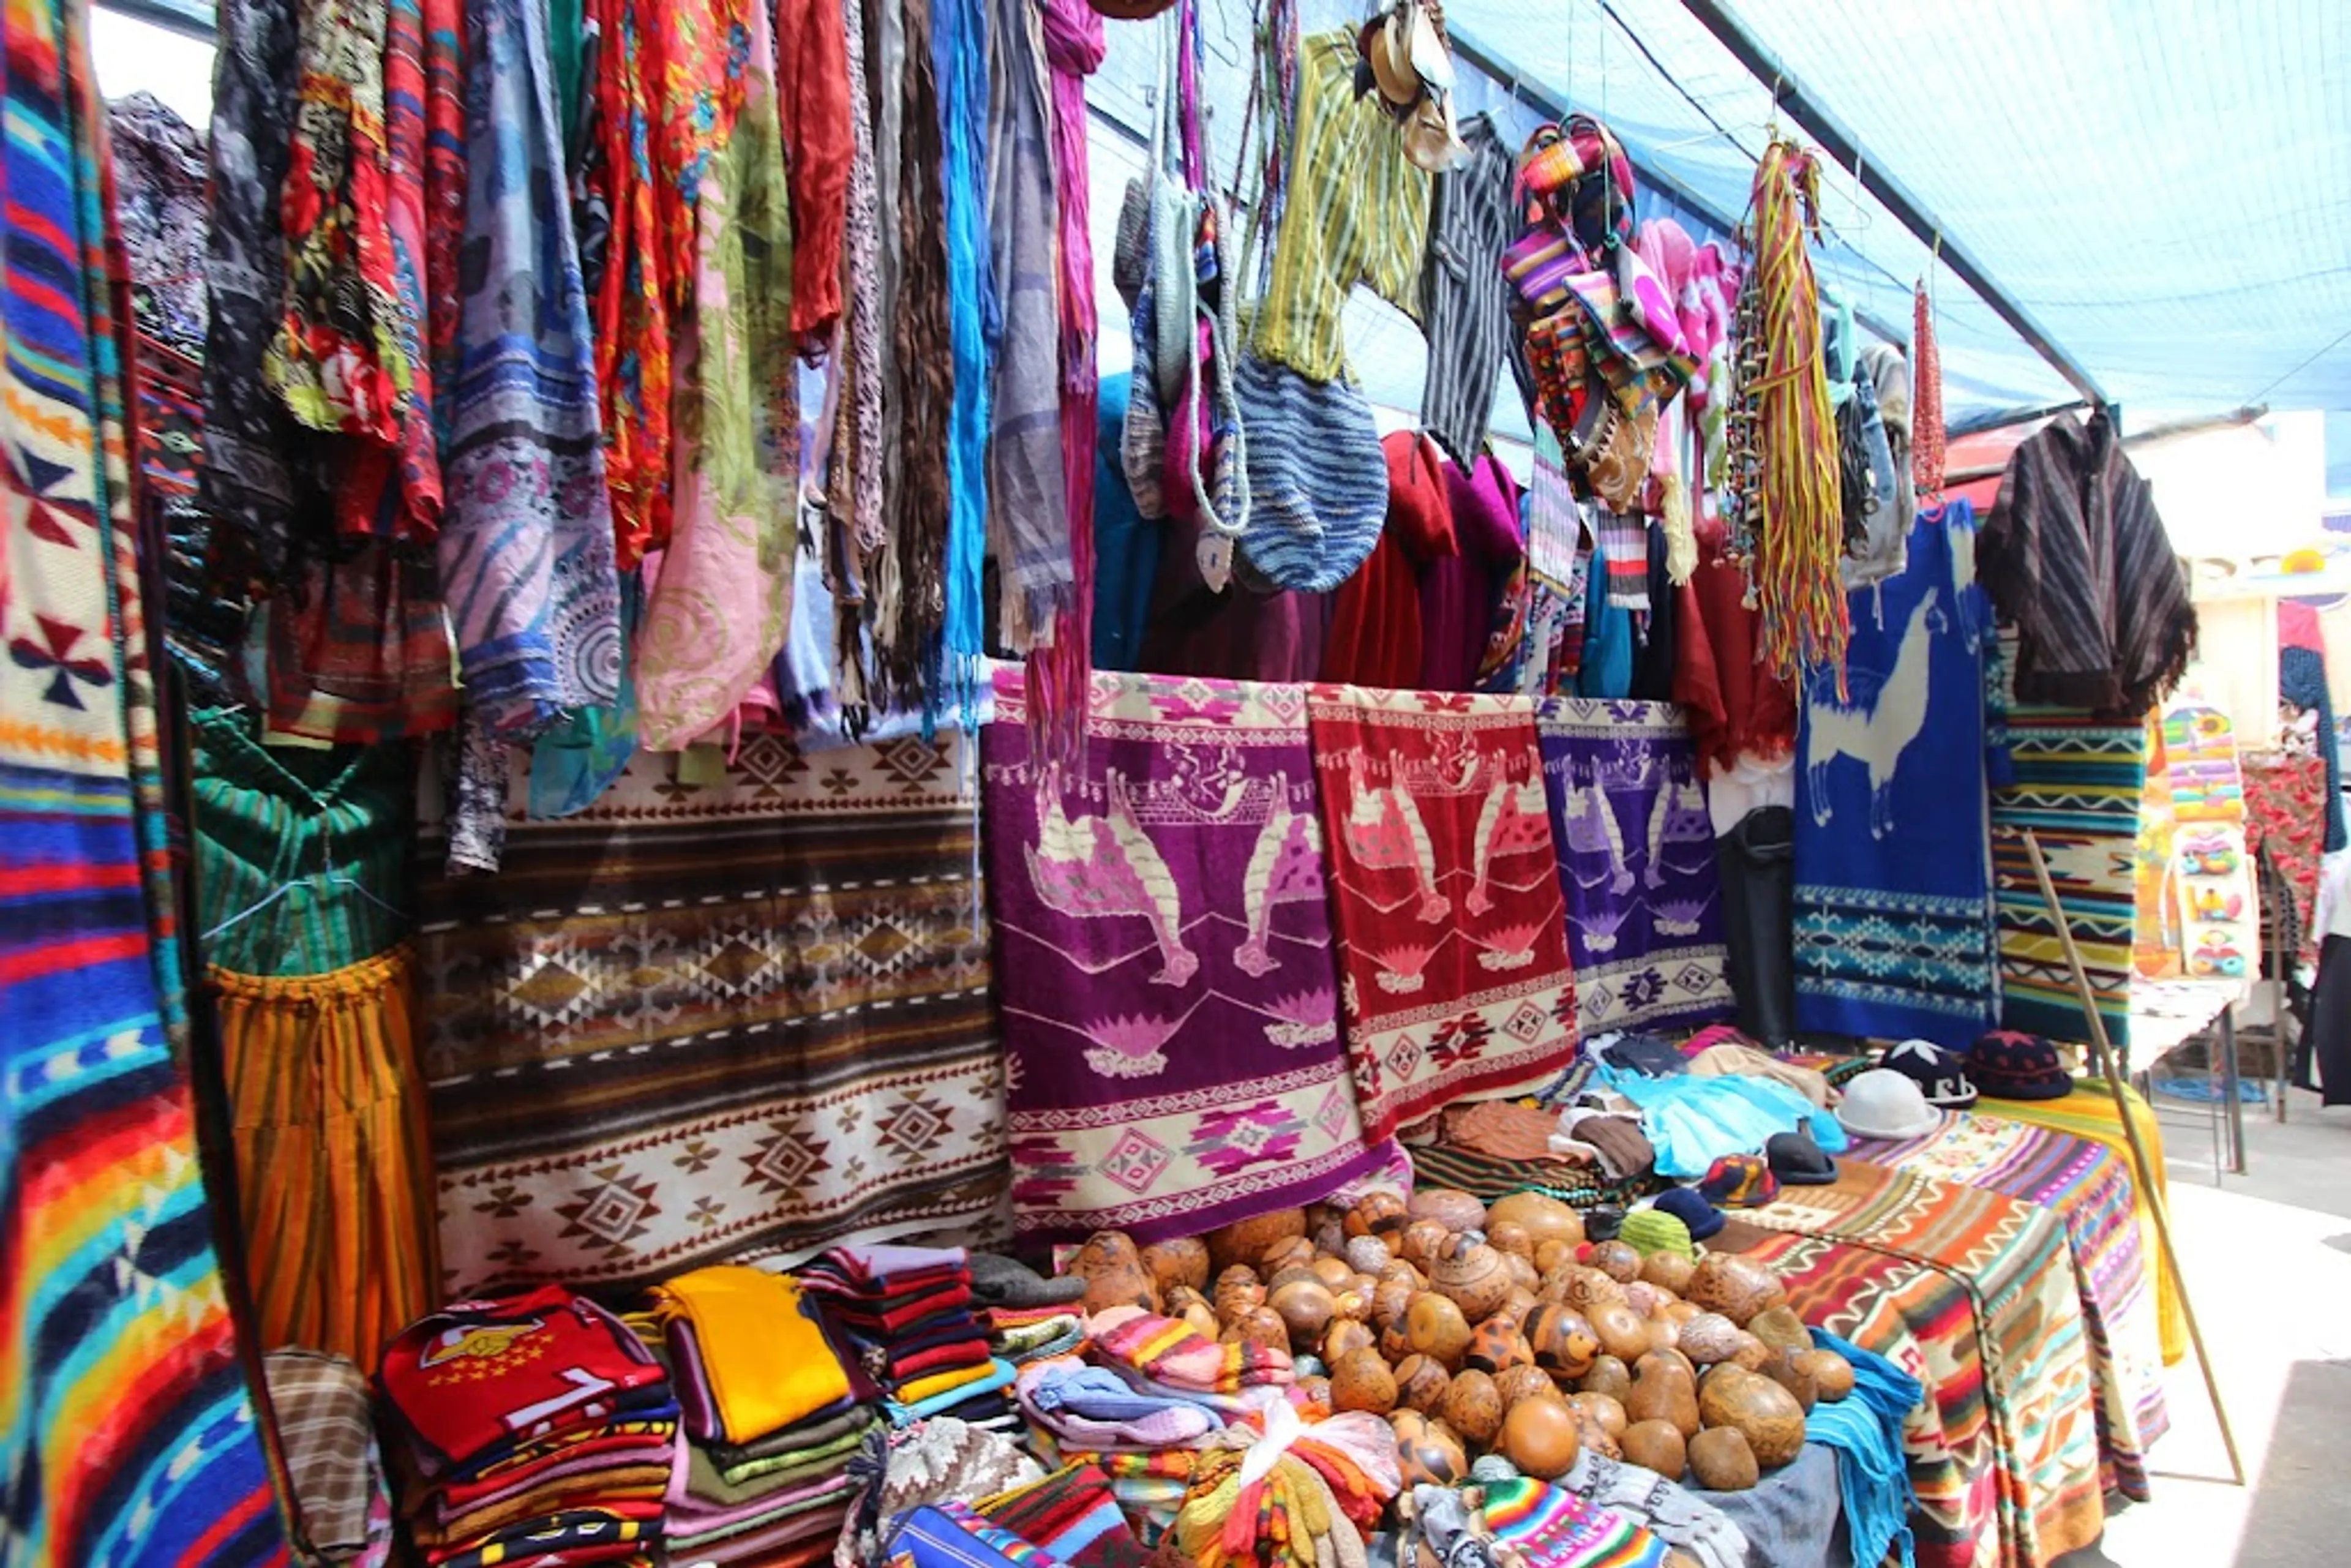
(334, 1172)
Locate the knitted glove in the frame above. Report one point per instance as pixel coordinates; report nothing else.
(1668, 1511)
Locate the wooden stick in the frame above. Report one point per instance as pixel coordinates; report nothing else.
(2146, 1181)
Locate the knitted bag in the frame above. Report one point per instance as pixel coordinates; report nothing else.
(1181, 445)
(1318, 480)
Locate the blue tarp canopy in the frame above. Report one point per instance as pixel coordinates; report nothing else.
(2164, 186)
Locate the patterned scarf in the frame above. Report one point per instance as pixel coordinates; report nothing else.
(250, 463)
(394, 491)
(525, 550)
(717, 615)
(337, 359)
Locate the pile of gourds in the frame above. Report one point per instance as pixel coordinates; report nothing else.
(1501, 1329)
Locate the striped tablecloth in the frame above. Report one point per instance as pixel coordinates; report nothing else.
(1973, 1293)
(2088, 1187)
(2089, 1112)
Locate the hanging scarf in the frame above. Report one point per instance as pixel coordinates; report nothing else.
(395, 492)
(717, 614)
(1074, 44)
(526, 548)
(1800, 526)
(851, 475)
(248, 477)
(912, 583)
(959, 52)
(1027, 512)
(337, 361)
(817, 101)
(444, 189)
(632, 319)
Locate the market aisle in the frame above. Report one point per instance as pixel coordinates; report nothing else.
(2268, 1280)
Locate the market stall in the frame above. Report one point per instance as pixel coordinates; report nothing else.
(1016, 781)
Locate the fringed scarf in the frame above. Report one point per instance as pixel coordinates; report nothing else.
(1028, 470)
(1797, 487)
(912, 590)
(1058, 674)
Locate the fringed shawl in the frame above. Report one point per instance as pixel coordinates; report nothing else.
(2076, 557)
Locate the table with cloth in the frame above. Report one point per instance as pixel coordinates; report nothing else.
(2089, 1112)
(1971, 1292)
(2088, 1187)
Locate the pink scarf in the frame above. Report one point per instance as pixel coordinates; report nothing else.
(1059, 674)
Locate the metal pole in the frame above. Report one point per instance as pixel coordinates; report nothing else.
(2232, 1085)
(1824, 128)
(2139, 1161)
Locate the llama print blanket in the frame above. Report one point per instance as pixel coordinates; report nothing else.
(1167, 991)
(1893, 906)
(1454, 973)
(1636, 864)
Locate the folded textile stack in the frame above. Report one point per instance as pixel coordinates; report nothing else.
(909, 1310)
(1093, 1409)
(1027, 1316)
(1161, 1355)
(343, 1510)
(775, 1409)
(1072, 1514)
(1022, 1334)
(533, 1424)
(1148, 1383)
(954, 1535)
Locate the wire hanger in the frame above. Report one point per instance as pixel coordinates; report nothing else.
(313, 882)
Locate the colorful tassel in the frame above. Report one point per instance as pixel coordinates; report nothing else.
(1799, 487)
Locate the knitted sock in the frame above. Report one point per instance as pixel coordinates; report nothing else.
(1668, 1511)
(1173, 1353)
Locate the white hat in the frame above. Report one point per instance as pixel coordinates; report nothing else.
(1883, 1103)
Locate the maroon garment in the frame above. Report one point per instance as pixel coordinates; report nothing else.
(1376, 637)
(1248, 632)
(1460, 591)
(1733, 704)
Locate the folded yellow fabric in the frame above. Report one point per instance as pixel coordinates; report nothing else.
(937, 1382)
(763, 1352)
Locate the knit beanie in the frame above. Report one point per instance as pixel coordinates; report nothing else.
(1647, 1230)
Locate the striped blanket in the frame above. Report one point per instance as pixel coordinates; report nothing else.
(128, 1433)
(2008, 1471)
(742, 1014)
(2077, 783)
(2089, 1189)
(2089, 1112)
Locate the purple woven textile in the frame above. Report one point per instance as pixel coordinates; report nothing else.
(1169, 992)
(1636, 863)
